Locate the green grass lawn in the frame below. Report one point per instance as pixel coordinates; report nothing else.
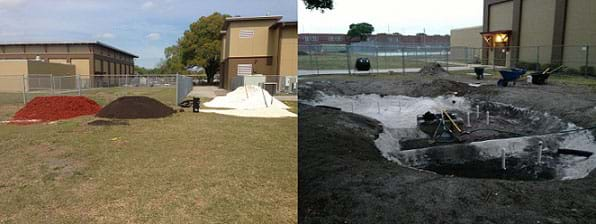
(187, 168)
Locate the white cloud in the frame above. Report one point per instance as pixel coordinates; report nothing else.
(406, 17)
(153, 36)
(10, 3)
(148, 5)
(105, 36)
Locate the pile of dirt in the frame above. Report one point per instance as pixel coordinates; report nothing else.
(131, 107)
(51, 108)
(433, 69)
(107, 122)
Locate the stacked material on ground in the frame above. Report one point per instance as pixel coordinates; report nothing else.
(249, 101)
(433, 69)
(132, 107)
(52, 108)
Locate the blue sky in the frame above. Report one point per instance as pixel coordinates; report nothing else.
(403, 16)
(142, 27)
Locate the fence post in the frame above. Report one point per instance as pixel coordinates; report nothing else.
(538, 58)
(447, 60)
(52, 84)
(377, 57)
(587, 60)
(403, 61)
(348, 59)
(177, 87)
(317, 64)
(425, 55)
(24, 90)
(79, 83)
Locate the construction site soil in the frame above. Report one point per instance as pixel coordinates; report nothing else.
(343, 178)
(132, 107)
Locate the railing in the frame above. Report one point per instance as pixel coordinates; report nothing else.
(340, 59)
(52, 84)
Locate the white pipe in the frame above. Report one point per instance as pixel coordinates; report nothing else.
(487, 117)
(503, 167)
(378, 107)
(469, 124)
(477, 112)
(539, 157)
(352, 106)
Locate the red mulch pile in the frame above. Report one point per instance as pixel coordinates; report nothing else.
(51, 108)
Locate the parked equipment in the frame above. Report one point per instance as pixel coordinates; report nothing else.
(510, 75)
(479, 72)
(442, 128)
(362, 64)
(539, 78)
(196, 104)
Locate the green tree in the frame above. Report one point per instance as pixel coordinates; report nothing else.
(173, 62)
(319, 4)
(361, 30)
(200, 45)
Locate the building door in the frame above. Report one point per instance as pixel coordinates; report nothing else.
(500, 54)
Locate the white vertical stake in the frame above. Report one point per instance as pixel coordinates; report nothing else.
(352, 106)
(539, 156)
(378, 107)
(477, 112)
(503, 167)
(468, 120)
(487, 117)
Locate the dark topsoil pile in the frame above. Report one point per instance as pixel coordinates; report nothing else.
(131, 107)
(51, 108)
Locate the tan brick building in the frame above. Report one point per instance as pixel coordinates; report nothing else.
(540, 28)
(89, 58)
(258, 45)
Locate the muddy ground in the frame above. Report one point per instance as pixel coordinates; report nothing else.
(344, 179)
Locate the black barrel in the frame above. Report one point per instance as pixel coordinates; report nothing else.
(362, 64)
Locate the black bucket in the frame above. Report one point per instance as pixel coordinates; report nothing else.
(479, 72)
(196, 104)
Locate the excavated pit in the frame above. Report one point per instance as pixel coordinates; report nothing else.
(517, 132)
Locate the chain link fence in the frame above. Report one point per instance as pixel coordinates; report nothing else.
(22, 88)
(341, 59)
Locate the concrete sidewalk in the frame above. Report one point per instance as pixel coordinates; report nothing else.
(207, 92)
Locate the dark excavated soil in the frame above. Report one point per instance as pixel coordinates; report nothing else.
(344, 179)
(107, 122)
(131, 107)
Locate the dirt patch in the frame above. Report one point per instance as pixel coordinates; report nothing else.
(132, 107)
(108, 122)
(432, 69)
(51, 108)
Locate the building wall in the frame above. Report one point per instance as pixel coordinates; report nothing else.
(82, 66)
(537, 27)
(260, 65)
(466, 44)
(288, 58)
(11, 75)
(501, 16)
(258, 45)
(580, 30)
(39, 67)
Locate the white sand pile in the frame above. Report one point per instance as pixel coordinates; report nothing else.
(249, 101)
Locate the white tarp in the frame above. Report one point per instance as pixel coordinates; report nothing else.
(249, 101)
